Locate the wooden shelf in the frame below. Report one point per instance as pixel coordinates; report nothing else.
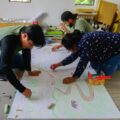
(5, 24)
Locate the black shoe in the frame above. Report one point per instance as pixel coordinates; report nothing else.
(3, 77)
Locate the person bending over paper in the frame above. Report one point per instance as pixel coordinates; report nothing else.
(101, 49)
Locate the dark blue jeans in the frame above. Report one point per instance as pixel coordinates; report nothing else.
(17, 61)
(108, 67)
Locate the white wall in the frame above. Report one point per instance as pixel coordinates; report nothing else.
(54, 8)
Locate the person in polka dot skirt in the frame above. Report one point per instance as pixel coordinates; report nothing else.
(101, 49)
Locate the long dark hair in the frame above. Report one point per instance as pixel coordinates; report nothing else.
(72, 38)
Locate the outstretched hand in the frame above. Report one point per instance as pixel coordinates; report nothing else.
(34, 73)
(27, 93)
(69, 80)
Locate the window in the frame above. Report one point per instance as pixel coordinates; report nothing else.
(84, 2)
(20, 0)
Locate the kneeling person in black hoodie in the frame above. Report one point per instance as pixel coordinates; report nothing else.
(12, 40)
